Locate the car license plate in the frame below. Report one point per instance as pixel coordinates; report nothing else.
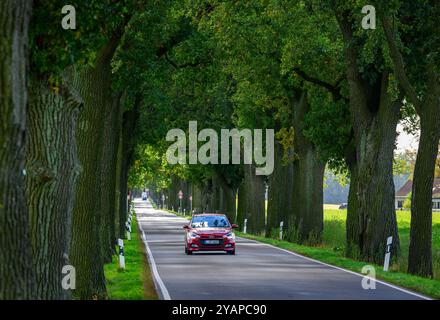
(212, 241)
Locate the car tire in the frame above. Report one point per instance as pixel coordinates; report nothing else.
(188, 252)
(231, 252)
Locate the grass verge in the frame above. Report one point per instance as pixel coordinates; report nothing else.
(135, 282)
(425, 286)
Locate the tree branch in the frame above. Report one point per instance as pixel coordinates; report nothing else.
(399, 66)
(333, 89)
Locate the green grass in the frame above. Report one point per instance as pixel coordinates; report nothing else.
(332, 251)
(135, 281)
(334, 236)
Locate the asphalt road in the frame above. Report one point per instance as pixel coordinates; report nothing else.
(257, 271)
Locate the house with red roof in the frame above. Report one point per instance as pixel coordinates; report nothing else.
(405, 190)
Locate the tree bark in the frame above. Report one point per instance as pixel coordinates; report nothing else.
(280, 194)
(52, 169)
(251, 202)
(420, 248)
(94, 85)
(16, 274)
(197, 197)
(228, 199)
(374, 118)
(308, 177)
(108, 179)
(129, 123)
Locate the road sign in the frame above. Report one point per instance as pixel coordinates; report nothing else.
(180, 194)
(190, 198)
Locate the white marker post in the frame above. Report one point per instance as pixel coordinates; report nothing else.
(245, 226)
(128, 228)
(386, 263)
(121, 254)
(281, 230)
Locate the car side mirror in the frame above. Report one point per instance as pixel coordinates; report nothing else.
(234, 226)
(186, 226)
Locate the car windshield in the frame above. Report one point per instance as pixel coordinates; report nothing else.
(209, 222)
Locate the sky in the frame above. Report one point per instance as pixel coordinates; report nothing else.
(405, 140)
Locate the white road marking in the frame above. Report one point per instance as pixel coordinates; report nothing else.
(342, 269)
(163, 289)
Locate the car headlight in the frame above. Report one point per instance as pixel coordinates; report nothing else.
(230, 234)
(193, 235)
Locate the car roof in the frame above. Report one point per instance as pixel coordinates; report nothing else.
(209, 214)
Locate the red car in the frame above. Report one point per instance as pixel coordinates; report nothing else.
(209, 232)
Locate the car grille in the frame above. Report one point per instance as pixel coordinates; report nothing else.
(204, 244)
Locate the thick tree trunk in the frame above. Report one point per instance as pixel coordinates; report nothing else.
(108, 180)
(420, 248)
(279, 204)
(16, 272)
(94, 86)
(375, 193)
(308, 177)
(374, 116)
(251, 202)
(52, 169)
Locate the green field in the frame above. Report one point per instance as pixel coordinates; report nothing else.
(135, 282)
(334, 236)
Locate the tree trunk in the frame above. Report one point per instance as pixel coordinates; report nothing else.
(420, 248)
(251, 202)
(129, 123)
(228, 197)
(94, 85)
(308, 178)
(242, 204)
(207, 194)
(352, 222)
(197, 197)
(279, 204)
(374, 116)
(52, 169)
(16, 273)
(108, 180)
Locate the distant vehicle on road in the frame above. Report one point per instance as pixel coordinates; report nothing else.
(144, 195)
(209, 232)
(343, 206)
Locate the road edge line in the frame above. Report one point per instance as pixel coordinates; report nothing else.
(342, 269)
(157, 279)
